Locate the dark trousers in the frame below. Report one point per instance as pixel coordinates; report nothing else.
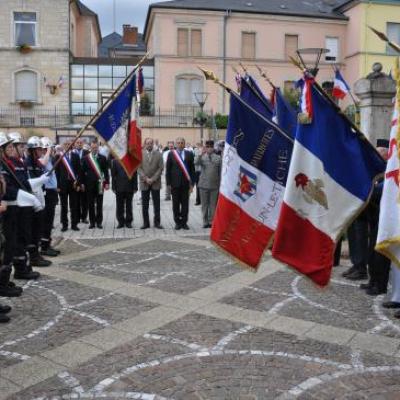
(358, 242)
(51, 200)
(197, 177)
(24, 230)
(10, 232)
(155, 196)
(37, 227)
(124, 207)
(82, 206)
(180, 205)
(72, 196)
(95, 206)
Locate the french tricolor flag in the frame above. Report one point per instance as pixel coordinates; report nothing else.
(117, 125)
(330, 179)
(254, 170)
(340, 86)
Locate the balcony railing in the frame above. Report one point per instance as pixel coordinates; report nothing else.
(16, 117)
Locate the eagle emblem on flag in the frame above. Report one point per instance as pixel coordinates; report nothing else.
(246, 186)
(312, 190)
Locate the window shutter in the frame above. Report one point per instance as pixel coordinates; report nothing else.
(393, 33)
(26, 86)
(291, 45)
(196, 86)
(183, 42)
(248, 45)
(196, 42)
(332, 44)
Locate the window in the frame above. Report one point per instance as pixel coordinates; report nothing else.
(189, 42)
(26, 86)
(248, 45)
(25, 28)
(291, 46)
(393, 33)
(332, 44)
(183, 42)
(186, 87)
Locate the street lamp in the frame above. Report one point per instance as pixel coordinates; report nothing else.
(315, 53)
(201, 98)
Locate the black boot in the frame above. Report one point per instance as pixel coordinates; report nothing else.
(4, 309)
(23, 270)
(36, 260)
(4, 319)
(7, 288)
(46, 250)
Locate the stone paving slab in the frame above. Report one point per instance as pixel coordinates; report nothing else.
(179, 320)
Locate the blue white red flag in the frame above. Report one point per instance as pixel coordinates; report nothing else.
(340, 86)
(117, 125)
(331, 176)
(284, 114)
(254, 171)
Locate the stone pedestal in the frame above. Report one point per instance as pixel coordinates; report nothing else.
(376, 93)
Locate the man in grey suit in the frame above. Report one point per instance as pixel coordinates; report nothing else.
(209, 181)
(150, 183)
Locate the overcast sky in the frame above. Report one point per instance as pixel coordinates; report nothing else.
(131, 12)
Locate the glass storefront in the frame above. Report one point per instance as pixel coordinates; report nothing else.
(91, 85)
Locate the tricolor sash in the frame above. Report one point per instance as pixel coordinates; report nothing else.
(96, 169)
(182, 165)
(68, 167)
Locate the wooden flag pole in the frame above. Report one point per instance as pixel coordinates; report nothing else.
(100, 110)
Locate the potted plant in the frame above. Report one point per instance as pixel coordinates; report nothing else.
(24, 48)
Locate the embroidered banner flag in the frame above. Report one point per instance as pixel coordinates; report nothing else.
(117, 125)
(340, 86)
(388, 242)
(254, 171)
(331, 176)
(255, 97)
(284, 114)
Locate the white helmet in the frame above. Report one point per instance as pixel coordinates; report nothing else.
(4, 140)
(34, 143)
(46, 142)
(16, 137)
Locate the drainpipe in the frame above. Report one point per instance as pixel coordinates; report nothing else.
(226, 16)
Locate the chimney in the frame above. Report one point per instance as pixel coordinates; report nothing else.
(130, 35)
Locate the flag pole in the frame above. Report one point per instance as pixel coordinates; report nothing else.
(210, 76)
(322, 93)
(382, 36)
(99, 111)
(264, 75)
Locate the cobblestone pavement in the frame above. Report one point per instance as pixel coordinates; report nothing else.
(164, 315)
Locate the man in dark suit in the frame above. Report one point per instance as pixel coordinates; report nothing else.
(82, 198)
(180, 175)
(68, 173)
(124, 188)
(96, 179)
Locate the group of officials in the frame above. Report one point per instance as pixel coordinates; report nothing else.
(36, 176)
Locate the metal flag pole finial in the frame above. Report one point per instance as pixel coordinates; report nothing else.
(210, 76)
(265, 76)
(383, 37)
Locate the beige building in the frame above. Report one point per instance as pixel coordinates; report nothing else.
(36, 44)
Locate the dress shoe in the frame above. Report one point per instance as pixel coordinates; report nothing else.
(14, 286)
(128, 225)
(64, 228)
(185, 227)
(145, 227)
(40, 262)
(366, 286)
(158, 226)
(75, 228)
(375, 291)
(357, 276)
(349, 271)
(177, 227)
(100, 226)
(120, 226)
(49, 252)
(391, 304)
(27, 275)
(4, 319)
(91, 226)
(4, 309)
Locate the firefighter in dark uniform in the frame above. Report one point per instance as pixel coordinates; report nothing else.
(37, 179)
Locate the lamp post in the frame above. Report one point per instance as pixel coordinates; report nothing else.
(201, 98)
(311, 66)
